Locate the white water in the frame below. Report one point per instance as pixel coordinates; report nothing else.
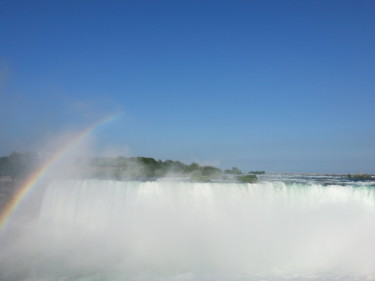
(108, 230)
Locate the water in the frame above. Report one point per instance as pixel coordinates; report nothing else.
(319, 179)
(298, 228)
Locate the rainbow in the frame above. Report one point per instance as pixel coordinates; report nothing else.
(34, 178)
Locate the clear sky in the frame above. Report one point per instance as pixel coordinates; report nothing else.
(263, 85)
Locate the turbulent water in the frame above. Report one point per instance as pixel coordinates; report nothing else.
(308, 227)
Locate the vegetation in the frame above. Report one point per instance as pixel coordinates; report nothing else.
(247, 178)
(148, 168)
(233, 171)
(13, 170)
(257, 172)
(19, 165)
(359, 177)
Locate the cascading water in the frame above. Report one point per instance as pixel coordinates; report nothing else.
(111, 230)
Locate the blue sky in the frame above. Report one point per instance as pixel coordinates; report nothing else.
(271, 85)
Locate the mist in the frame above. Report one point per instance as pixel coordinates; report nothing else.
(107, 217)
(132, 230)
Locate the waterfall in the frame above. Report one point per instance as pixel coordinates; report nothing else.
(168, 230)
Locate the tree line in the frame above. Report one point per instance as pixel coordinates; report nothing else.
(20, 165)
